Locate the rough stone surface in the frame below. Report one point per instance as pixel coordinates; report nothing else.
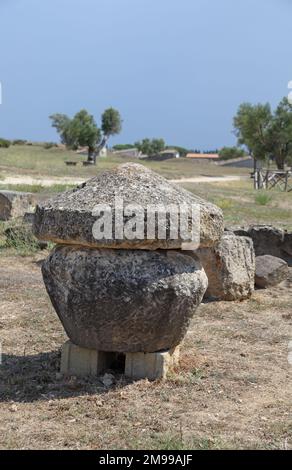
(287, 244)
(268, 240)
(230, 268)
(270, 271)
(28, 217)
(15, 204)
(68, 218)
(124, 300)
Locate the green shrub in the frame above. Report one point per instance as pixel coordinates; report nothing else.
(263, 198)
(19, 236)
(4, 143)
(50, 145)
(224, 203)
(228, 153)
(19, 142)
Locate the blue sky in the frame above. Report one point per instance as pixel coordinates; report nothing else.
(176, 69)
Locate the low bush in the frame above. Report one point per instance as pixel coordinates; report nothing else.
(19, 142)
(263, 198)
(4, 143)
(50, 145)
(19, 236)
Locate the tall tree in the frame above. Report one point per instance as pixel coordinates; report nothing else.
(61, 122)
(252, 127)
(280, 134)
(111, 124)
(264, 133)
(82, 130)
(227, 153)
(150, 147)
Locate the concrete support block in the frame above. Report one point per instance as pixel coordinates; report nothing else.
(83, 362)
(151, 366)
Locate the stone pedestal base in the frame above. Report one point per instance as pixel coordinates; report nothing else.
(82, 362)
(151, 366)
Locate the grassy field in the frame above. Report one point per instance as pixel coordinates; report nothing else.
(240, 203)
(35, 160)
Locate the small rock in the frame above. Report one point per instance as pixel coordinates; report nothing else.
(15, 204)
(108, 380)
(13, 408)
(270, 271)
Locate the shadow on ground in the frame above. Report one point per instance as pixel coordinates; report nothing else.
(26, 379)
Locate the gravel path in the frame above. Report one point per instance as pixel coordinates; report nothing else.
(46, 181)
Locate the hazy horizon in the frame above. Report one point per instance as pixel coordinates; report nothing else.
(176, 70)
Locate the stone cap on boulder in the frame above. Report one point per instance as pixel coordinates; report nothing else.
(69, 217)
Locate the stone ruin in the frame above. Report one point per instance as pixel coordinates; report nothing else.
(130, 297)
(230, 267)
(268, 240)
(273, 250)
(123, 296)
(15, 204)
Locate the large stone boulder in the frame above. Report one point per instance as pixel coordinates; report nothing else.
(14, 204)
(270, 271)
(124, 300)
(268, 240)
(287, 245)
(70, 217)
(230, 268)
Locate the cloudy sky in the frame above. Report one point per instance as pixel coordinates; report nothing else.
(176, 69)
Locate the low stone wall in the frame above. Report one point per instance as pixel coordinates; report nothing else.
(267, 240)
(14, 204)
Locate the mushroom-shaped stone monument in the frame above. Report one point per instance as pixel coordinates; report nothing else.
(120, 278)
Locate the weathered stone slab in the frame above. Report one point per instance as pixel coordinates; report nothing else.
(69, 217)
(268, 240)
(14, 204)
(270, 271)
(230, 268)
(151, 366)
(124, 300)
(287, 244)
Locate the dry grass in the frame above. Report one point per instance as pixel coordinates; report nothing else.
(240, 203)
(233, 389)
(37, 161)
(238, 200)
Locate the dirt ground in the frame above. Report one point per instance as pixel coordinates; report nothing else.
(45, 181)
(233, 388)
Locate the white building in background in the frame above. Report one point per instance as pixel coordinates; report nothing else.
(170, 153)
(84, 151)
